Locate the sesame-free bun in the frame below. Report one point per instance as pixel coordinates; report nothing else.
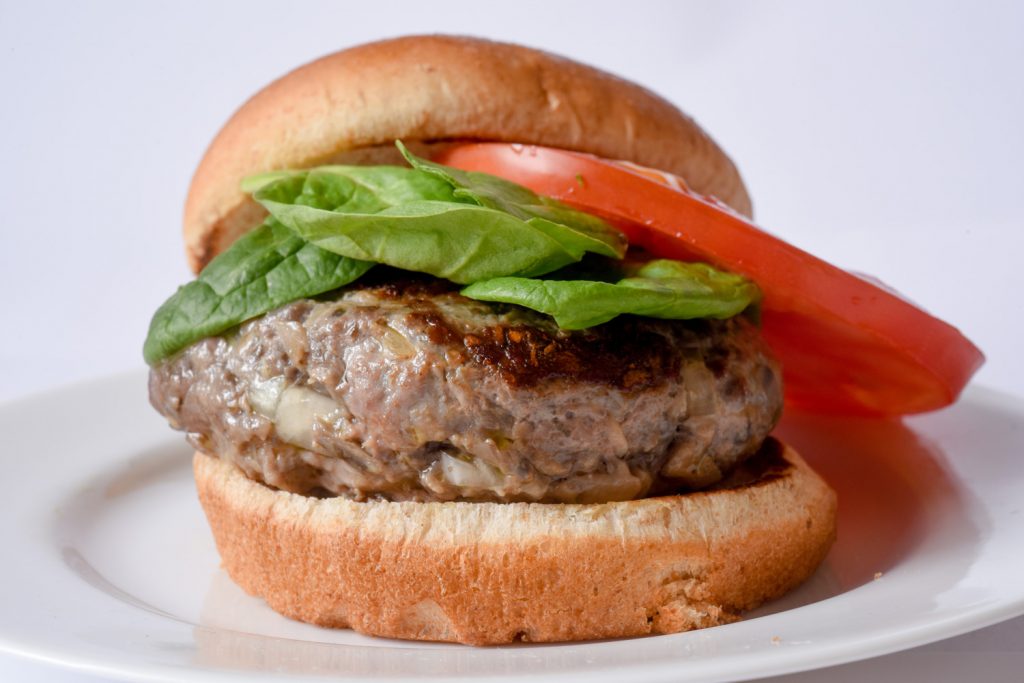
(350, 107)
(490, 573)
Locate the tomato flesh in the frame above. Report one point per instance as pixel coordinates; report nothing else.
(846, 345)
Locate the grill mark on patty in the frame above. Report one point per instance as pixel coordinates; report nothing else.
(628, 354)
(621, 356)
(433, 323)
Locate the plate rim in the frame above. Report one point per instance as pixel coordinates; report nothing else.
(834, 654)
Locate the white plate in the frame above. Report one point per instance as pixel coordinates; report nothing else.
(109, 567)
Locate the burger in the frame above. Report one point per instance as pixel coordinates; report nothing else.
(471, 355)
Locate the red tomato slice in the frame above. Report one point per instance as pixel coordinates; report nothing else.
(846, 345)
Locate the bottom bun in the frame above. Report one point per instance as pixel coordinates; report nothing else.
(490, 573)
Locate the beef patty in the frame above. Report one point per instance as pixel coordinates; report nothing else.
(412, 392)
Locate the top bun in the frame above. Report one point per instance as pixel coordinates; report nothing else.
(350, 107)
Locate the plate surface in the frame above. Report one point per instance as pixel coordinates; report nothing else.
(111, 569)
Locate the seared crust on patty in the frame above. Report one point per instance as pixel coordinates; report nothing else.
(487, 573)
(416, 393)
(527, 349)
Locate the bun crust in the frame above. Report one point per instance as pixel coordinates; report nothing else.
(350, 107)
(491, 573)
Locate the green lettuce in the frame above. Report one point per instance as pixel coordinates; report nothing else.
(262, 270)
(659, 289)
(556, 219)
(329, 225)
(463, 227)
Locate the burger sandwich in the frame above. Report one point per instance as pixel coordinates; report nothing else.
(483, 348)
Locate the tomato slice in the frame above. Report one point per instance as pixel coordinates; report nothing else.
(846, 345)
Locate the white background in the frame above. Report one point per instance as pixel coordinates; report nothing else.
(885, 137)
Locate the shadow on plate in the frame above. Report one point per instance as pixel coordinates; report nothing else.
(895, 489)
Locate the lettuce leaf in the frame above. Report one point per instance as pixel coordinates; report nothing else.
(463, 227)
(329, 225)
(262, 270)
(659, 289)
(543, 213)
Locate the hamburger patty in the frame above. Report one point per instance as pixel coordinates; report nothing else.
(412, 392)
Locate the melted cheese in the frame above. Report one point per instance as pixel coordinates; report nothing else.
(298, 410)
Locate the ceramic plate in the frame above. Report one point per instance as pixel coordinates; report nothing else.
(109, 567)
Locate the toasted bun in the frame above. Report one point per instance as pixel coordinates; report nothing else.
(351, 106)
(489, 573)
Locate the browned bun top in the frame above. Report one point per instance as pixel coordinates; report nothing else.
(352, 105)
